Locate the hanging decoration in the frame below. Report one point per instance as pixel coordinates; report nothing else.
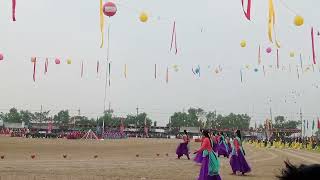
(101, 23)
(109, 72)
(256, 69)
(69, 61)
(143, 17)
(33, 59)
(264, 71)
(241, 79)
(196, 70)
(175, 68)
(313, 51)
(278, 59)
(155, 71)
(81, 72)
(271, 23)
(247, 13)
(46, 63)
(109, 9)
(34, 70)
(268, 50)
(57, 61)
(125, 71)
(243, 43)
(298, 73)
(298, 20)
(174, 38)
(259, 56)
(1, 56)
(98, 64)
(13, 10)
(167, 75)
(291, 54)
(301, 61)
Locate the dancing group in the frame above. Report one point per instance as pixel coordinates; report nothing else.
(212, 147)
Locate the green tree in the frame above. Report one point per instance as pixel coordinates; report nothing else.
(211, 120)
(62, 117)
(26, 116)
(280, 122)
(13, 116)
(41, 116)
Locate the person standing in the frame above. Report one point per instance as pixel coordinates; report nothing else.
(183, 148)
(238, 162)
(210, 165)
(223, 149)
(198, 158)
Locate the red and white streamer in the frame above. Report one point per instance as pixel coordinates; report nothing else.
(247, 13)
(313, 51)
(174, 38)
(13, 10)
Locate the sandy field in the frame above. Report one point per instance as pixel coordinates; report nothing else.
(117, 159)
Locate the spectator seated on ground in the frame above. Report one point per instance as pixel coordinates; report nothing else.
(303, 172)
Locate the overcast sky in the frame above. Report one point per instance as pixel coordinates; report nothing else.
(208, 33)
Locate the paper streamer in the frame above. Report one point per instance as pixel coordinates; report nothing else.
(313, 51)
(101, 23)
(271, 23)
(46, 63)
(167, 75)
(259, 56)
(278, 59)
(301, 62)
(248, 12)
(81, 69)
(298, 73)
(13, 10)
(98, 64)
(264, 71)
(125, 71)
(109, 73)
(155, 71)
(241, 76)
(34, 71)
(174, 38)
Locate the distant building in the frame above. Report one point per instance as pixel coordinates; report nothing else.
(14, 125)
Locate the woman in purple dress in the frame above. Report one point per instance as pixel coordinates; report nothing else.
(183, 148)
(223, 149)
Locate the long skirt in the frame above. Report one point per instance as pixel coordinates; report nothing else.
(182, 149)
(230, 148)
(204, 174)
(238, 163)
(222, 150)
(198, 158)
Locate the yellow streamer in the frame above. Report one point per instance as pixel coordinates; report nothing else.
(101, 23)
(271, 23)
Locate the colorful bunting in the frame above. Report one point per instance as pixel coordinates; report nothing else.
(313, 51)
(174, 38)
(247, 14)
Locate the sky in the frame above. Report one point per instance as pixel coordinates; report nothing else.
(208, 34)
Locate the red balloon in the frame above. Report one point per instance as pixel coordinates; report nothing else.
(109, 9)
(57, 61)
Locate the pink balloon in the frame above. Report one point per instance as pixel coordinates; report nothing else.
(109, 9)
(269, 50)
(57, 61)
(1, 56)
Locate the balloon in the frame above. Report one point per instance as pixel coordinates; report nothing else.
(143, 17)
(33, 59)
(269, 50)
(1, 56)
(109, 9)
(243, 43)
(291, 54)
(57, 61)
(69, 61)
(298, 20)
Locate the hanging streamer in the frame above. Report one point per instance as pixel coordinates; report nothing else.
(313, 51)
(174, 38)
(277, 58)
(125, 71)
(98, 64)
(155, 71)
(13, 10)
(301, 62)
(34, 71)
(298, 72)
(259, 56)
(167, 75)
(241, 76)
(101, 23)
(264, 71)
(46, 66)
(109, 73)
(248, 13)
(81, 69)
(271, 23)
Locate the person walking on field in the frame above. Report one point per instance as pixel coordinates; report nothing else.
(183, 148)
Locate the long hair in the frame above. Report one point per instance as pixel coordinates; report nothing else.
(291, 172)
(238, 133)
(205, 133)
(185, 132)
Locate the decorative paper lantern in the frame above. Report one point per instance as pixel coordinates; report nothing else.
(298, 20)
(69, 61)
(57, 61)
(143, 17)
(291, 54)
(243, 43)
(33, 59)
(1, 56)
(109, 9)
(269, 50)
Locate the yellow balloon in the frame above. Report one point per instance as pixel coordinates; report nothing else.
(291, 54)
(243, 43)
(143, 17)
(298, 20)
(69, 61)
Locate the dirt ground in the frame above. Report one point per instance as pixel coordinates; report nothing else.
(117, 159)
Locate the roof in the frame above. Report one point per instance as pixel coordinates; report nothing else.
(14, 125)
(190, 129)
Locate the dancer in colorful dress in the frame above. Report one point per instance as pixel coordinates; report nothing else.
(183, 148)
(198, 158)
(223, 147)
(229, 144)
(214, 141)
(238, 162)
(210, 164)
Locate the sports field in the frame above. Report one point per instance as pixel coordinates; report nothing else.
(125, 159)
